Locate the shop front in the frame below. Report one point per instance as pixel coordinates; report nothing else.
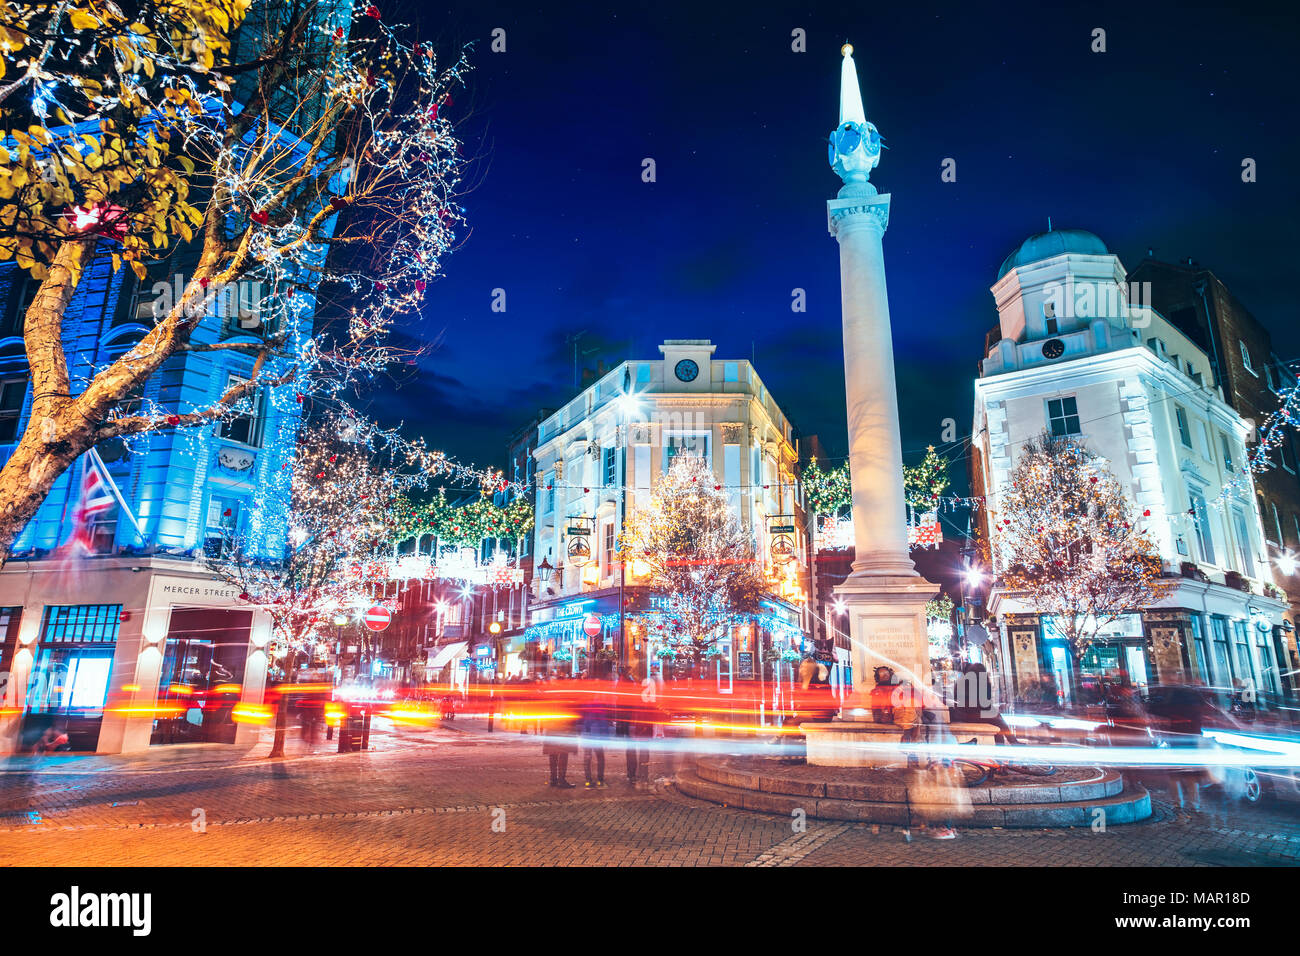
(126, 653)
(1117, 655)
(567, 637)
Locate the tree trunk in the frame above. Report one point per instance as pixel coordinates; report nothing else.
(54, 438)
(281, 722)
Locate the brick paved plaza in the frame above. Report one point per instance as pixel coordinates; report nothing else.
(432, 798)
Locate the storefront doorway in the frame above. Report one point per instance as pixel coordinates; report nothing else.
(202, 675)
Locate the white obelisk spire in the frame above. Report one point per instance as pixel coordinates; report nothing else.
(885, 596)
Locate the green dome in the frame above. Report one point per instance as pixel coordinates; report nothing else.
(1045, 245)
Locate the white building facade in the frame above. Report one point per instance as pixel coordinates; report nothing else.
(1072, 355)
(597, 460)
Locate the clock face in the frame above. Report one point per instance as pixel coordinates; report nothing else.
(686, 370)
(1053, 348)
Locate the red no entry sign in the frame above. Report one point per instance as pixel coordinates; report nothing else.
(592, 625)
(378, 618)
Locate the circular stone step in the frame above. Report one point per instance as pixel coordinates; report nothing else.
(1075, 796)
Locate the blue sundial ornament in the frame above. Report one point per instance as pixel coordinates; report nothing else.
(855, 144)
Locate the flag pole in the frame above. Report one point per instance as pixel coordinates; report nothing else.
(93, 455)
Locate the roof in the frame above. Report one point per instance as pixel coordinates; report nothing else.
(1055, 242)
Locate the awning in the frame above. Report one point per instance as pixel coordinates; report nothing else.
(448, 653)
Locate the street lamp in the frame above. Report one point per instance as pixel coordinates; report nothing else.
(544, 571)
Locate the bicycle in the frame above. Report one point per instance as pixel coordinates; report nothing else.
(977, 772)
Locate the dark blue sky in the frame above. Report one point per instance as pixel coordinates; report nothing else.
(1142, 145)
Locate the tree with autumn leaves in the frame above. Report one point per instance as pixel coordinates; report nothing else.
(701, 561)
(1065, 534)
(303, 145)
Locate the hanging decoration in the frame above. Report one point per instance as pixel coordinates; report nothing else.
(1272, 436)
(827, 492)
(925, 482)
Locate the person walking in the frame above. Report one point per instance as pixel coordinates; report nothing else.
(597, 727)
(558, 742)
(636, 723)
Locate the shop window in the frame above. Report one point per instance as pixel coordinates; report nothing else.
(1063, 416)
(73, 660)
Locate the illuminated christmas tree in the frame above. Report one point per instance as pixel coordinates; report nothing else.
(1065, 534)
(700, 559)
(339, 497)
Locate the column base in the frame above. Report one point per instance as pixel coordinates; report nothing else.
(887, 627)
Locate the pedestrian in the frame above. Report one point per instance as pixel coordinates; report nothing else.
(975, 704)
(936, 792)
(636, 723)
(559, 742)
(597, 727)
(1181, 714)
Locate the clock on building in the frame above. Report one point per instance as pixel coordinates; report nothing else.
(686, 370)
(1053, 348)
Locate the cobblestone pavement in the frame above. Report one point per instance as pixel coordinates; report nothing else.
(462, 796)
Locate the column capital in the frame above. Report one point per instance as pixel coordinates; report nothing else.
(848, 212)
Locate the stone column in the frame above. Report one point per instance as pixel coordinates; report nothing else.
(858, 219)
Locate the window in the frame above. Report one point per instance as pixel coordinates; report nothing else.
(609, 546)
(1245, 358)
(1053, 327)
(73, 660)
(1244, 550)
(243, 426)
(1203, 441)
(12, 392)
(1063, 416)
(693, 443)
(1295, 520)
(731, 372)
(548, 493)
(1227, 452)
(1201, 526)
(222, 525)
(611, 467)
(15, 316)
(1277, 522)
(643, 374)
(1286, 453)
(103, 531)
(1184, 432)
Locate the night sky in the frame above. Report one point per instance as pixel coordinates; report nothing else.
(1142, 145)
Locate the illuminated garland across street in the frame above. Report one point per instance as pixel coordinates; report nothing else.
(463, 526)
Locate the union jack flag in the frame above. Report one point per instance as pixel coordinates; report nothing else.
(96, 498)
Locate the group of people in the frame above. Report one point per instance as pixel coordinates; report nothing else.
(591, 722)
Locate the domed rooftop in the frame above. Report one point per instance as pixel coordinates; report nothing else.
(1056, 242)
